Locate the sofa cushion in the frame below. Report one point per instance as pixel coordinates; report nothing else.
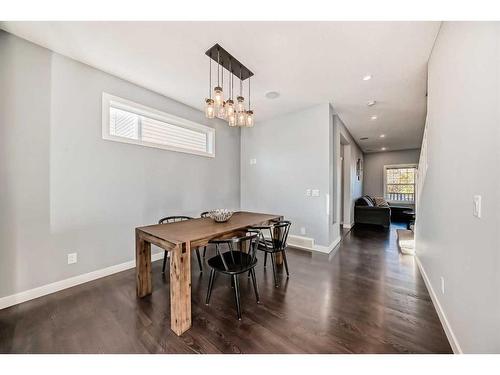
(380, 202)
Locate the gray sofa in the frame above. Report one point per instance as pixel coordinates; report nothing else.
(366, 211)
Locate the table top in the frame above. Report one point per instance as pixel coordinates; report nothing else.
(201, 228)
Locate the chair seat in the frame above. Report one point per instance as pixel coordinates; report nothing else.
(242, 262)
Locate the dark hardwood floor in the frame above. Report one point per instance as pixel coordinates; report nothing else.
(367, 298)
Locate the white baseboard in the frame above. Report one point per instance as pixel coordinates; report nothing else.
(348, 226)
(455, 346)
(297, 242)
(43, 290)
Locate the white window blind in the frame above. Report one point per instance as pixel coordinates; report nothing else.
(128, 122)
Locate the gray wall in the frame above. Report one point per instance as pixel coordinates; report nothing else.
(296, 152)
(64, 189)
(463, 136)
(374, 168)
(292, 154)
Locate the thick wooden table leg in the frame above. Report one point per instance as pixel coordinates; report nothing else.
(180, 288)
(142, 266)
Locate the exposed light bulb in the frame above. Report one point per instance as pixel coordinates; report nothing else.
(209, 108)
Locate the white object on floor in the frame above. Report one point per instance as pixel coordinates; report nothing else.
(406, 241)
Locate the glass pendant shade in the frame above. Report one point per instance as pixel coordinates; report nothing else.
(231, 119)
(221, 113)
(249, 119)
(229, 107)
(240, 105)
(209, 108)
(241, 118)
(218, 97)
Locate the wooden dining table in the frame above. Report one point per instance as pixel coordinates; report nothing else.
(180, 239)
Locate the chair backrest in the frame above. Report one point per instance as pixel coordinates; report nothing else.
(173, 219)
(278, 233)
(205, 214)
(249, 241)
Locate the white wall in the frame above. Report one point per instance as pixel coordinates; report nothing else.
(64, 189)
(374, 168)
(463, 140)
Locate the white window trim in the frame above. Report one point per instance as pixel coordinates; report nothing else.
(391, 166)
(109, 100)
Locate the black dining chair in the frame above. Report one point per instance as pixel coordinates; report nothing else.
(202, 215)
(275, 243)
(234, 262)
(174, 219)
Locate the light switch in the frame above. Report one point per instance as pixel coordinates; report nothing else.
(476, 208)
(253, 161)
(315, 193)
(308, 192)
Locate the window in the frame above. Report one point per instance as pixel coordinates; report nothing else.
(399, 183)
(129, 122)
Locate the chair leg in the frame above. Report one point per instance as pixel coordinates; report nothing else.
(199, 259)
(265, 259)
(210, 286)
(255, 288)
(164, 262)
(237, 295)
(286, 263)
(275, 271)
(204, 251)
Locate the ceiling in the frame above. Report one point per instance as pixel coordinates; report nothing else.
(308, 63)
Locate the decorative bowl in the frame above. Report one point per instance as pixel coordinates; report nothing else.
(221, 215)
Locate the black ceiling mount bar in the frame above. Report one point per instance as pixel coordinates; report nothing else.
(229, 62)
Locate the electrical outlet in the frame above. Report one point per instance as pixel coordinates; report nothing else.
(302, 230)
(72, 258)
(442, 284)
(476, 208)
(315, 193)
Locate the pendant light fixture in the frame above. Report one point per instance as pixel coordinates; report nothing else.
(218, 94)
(235, 114)
(209, 102)
(241, 113)
(249, 118)
(230, 112)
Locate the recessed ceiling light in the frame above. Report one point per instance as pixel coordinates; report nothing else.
(272, 94)
(382, 135)
(371, 103)
(374, 117)
(367, 77)
(383, 149)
